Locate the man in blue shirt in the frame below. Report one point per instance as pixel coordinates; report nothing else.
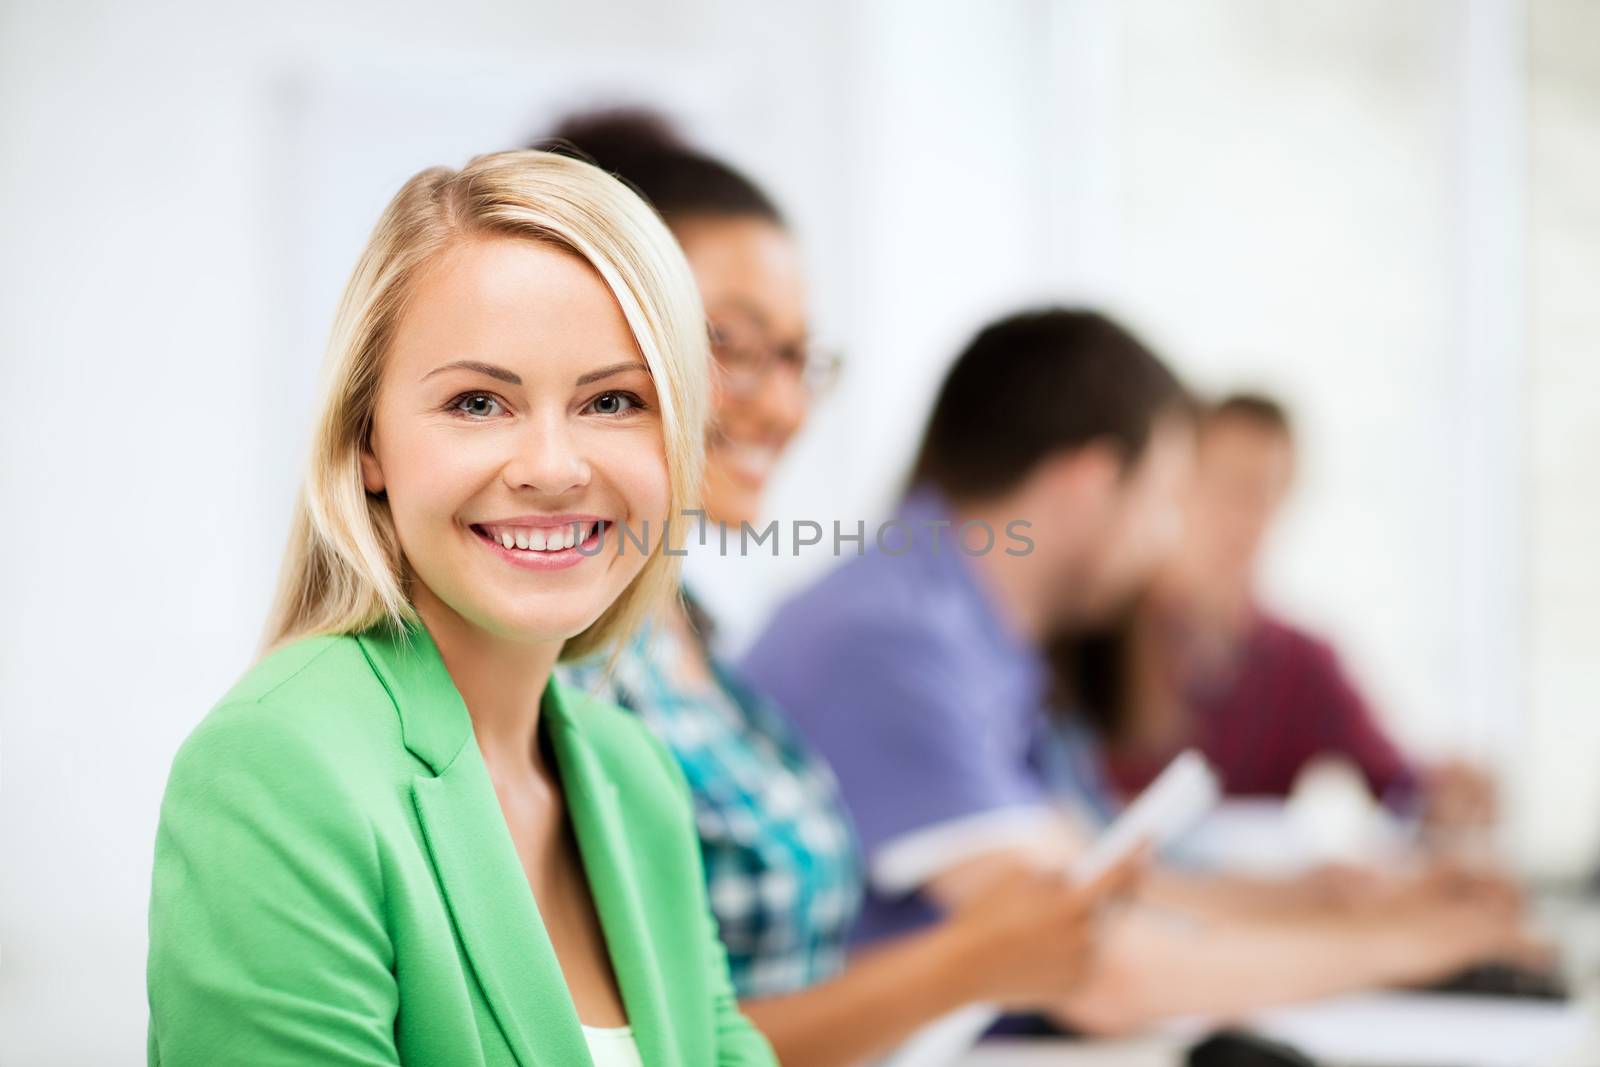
(915, 669)
(1047, 488)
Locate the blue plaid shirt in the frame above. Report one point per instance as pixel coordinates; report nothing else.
(781, 865)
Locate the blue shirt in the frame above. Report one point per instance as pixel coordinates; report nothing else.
(899, 670)
(782, 873)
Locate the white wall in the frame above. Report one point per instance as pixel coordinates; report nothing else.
(1559, 788)
(1267, 190)
(1286, 223)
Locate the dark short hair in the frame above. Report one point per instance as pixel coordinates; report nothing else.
(642, 148)
(1037, 383)
(1258, 408)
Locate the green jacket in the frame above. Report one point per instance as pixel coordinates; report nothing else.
(335, 883)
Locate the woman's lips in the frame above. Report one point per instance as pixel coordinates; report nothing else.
(750, 464)
(543, 548)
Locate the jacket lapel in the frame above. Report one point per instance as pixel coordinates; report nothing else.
(484, 884)
(607, 860)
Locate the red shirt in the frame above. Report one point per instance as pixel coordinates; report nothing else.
(1281, 701)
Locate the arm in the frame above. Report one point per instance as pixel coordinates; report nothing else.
(1056, 842)
(879, 1000)
(1318, 892)
(1456, 797)
(1155, 964)
(1460, 797)
(1154, 967)
(267, 940)
(1351, 729)
(739, 1042)
(1022, 941)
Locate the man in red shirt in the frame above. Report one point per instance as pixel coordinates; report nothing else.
(1206, 665)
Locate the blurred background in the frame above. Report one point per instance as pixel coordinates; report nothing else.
(1384, 212)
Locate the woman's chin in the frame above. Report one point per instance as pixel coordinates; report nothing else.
(733, 505)
(545, 634)
(555, 623)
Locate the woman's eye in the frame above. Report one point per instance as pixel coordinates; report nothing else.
(614, 403)
(481, 405)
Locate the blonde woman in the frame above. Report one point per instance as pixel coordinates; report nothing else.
(396, 839)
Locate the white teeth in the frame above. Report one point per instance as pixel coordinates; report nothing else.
(755, 460)
(539, 539)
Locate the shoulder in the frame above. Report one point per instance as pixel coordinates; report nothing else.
(1307, 649)
(283, 665)
(872, 586)
(868, 615)
(309, 714)
(322, 685)
(873, 594)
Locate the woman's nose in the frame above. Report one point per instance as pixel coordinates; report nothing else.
(547, 457)
(780, 404)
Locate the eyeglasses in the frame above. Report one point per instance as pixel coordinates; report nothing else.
(746, 356)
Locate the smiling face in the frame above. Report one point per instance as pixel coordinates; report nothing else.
(1244, 473)
(515, 420)
(749, 274)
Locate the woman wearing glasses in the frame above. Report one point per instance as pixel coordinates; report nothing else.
(780, 861)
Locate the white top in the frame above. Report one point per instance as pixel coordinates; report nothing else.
(612, 1046)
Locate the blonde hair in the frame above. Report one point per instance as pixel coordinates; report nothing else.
(343, 571)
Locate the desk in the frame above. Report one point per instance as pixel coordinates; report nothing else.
(1488, 1034)
(1373, 1030)
(1135, 1052)
(1367, 1031)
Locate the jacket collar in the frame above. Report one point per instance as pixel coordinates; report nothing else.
(481, 874)
(434, 723)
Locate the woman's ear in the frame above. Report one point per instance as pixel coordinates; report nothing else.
(371, 472)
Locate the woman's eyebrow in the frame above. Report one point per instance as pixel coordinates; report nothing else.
(489, 369)
(606, 372)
